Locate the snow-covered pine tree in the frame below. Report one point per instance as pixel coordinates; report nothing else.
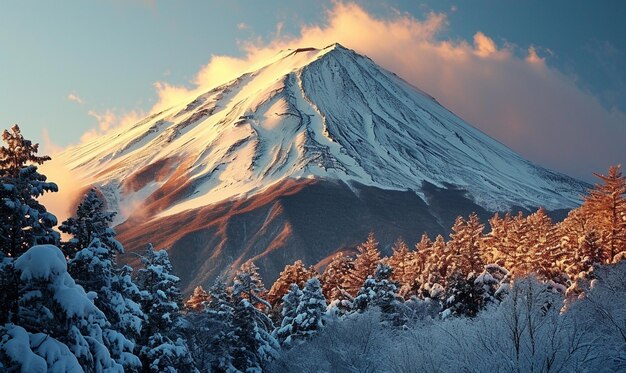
(92, 268)
(50, 302)
(24, 221)
(514, 247)
(380, 291)
(291, 300)
(495, 282)
(400, 261)
(464, 295)
(295, 273)
(365, 264)
(606, 205)
(335, 275)
(579, 267)
(253, 327)
(163, 348)
(90, 221)
(210, 331)
(464, 246)
(435, 270)
(127, 302)
(309, 315)
(420, 255)
(543, 247)
(494, 246)
(196, 301)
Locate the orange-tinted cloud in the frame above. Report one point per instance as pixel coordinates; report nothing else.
(108, 120)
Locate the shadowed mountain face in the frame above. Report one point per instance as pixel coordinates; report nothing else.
(299, 158)
(296, 219)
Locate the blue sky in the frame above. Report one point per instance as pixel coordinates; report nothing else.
(65, 66)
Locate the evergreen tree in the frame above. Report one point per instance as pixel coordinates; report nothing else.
(291, 301)
(252, 326)
(606, 204)
(380, 291)
(543, 246)
(435, 270)
(464, 295)
(210, 331)
(335, 275)
(416, 275)
(515, 247)
(51, 303)
(400, 261)
(93, 248)
(464, 246)
(25, 222)
(90, 221)
(196, 302)
(309, 313)
(92, 268)
(365, 264)
(162, 349)
(295, 273)
(495, 283)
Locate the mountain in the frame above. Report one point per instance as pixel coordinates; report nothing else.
(299, 159)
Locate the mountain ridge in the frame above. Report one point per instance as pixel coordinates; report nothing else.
(300, 116)
(298, 159)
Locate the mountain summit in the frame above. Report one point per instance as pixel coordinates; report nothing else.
(327, 117)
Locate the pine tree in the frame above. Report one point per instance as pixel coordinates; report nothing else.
(495, 283)
(416, 275)
(542, 245)
(380, 291)
(464, 295)
(295, 273)
(464, 247)
(435, 270)
(365, 264)
(515, 247)
(163, 348)
(211, 333)
(92, 268)
(197, 300)
(400, 261)
(256, 346)
(335, 275)
(51, 303)
(309, 313)
(606, 204)
(25, 222)
(291, 301)
(90, 221)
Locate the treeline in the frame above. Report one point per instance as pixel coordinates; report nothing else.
(68, 305)
(474, 269)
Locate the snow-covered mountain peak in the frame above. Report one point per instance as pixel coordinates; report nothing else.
(309, 113)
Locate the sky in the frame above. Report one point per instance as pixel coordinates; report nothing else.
(548, 79)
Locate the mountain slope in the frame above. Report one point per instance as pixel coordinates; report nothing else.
(330, 115)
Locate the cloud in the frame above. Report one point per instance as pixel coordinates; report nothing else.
(242, 26)
(108, 120)
(49, 146)
(75, 98)
(509, 92)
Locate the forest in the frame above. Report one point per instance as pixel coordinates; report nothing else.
(518, 293)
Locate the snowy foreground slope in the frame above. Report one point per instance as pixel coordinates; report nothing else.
(308, 116)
